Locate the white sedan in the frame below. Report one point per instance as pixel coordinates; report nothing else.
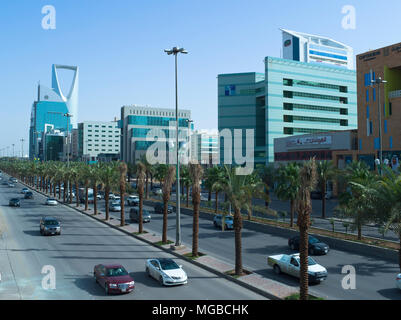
(51, 202)
(166, 271)
(398, 281)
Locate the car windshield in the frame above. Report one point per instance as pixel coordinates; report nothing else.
(313, 240)
(168, 264)
(51, 199)
(51, 223)
(311, 262)
(116, 272)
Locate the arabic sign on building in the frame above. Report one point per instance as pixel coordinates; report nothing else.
(302, 141)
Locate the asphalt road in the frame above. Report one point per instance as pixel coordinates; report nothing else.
(375, 278)
(82, 244)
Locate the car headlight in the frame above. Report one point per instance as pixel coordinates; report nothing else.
(166, 276)
(131, 283)
(112, 285)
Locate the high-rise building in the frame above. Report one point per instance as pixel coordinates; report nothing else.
(289, 98)
(142, 127)
(204, 147)
(98, 137)
(303, 47)
(386, 64)
(49, 112)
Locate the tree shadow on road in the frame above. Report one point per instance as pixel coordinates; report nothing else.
(390, 293)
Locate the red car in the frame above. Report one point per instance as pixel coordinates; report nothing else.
(113, 278)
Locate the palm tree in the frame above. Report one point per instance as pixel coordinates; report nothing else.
(389, 196)
(109, 177)
(85, 176)
(122, 168)
(254, 188)
(325, 172)
(308, 179)
(141, 176)
(288, 185)
(267, 174)
(359, 201)
(185, 180)
(195, 173)
(168, 181)
(234, 187)
(95, 180)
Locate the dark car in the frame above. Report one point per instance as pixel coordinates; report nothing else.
(14, 202)
(160, 207)
(49, 225)
(315, 245)
(113, 278)
(134, 215)
(28, 195)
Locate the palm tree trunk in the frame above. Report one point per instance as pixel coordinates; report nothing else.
(164, 236)
(106, 198)
(187, 188)
(324, 200)
(86, 197)
(195, 225)
(250, 210)
(238, 242)
(77, 193)
(140, 224)
(59, 190)
(147, 191)
(216, 204)
(122, 213)
(64, 191)
(303, 256)
(359, 231)
(70, 182)
(292, 210)
(94, 199)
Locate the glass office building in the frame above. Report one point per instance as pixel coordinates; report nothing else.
(141, 127)
(289, 98)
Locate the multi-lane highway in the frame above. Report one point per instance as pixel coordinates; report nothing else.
(82, 244)
(375, 278)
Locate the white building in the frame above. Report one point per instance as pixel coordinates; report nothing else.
(97, 137)
(309, 48)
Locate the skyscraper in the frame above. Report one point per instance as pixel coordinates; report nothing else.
(48, 111)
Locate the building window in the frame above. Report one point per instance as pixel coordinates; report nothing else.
(367, 95)
(391, 142)
(370, 127)
(390, 108)
(367, 112)
(385, 126)
(377, 143)
(374, 94)
(360, 144)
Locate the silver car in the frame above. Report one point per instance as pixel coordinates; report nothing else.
(51, 202)
(49, 225)
(166, 271)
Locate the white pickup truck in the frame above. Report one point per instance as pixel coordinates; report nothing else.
(289, 263)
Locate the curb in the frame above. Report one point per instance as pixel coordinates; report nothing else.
(173, 252)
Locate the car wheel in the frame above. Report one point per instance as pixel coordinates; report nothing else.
(292, 246)
(277, 269)
(161, 280)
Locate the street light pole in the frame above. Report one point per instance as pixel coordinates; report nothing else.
(378, 81)
(175, 51)
(22, 147)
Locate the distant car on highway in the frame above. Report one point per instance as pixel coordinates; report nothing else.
(115, 206)
(133, 200)
(11, 185)
(14, 202)
(51, 202)
(315, 246)
(159, 208)
(14, 180)
(5, 183)
(290, 264)
(49, 225)
(228, 221)
(166, 271)
(113, 278)
(398, 281)
(157, 191)
(134, 215)
(28, 195)
(24, 190)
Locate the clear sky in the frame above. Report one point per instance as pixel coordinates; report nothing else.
(119, 44)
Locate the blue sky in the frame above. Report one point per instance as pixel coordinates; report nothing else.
(119, 44)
